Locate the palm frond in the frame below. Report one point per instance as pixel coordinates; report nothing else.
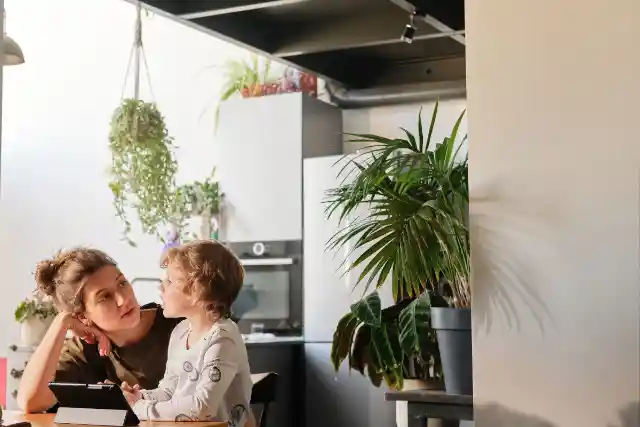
(415, 230)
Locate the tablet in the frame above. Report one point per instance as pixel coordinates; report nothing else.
(92, 404)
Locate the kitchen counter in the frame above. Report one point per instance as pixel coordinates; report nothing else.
(272, 340)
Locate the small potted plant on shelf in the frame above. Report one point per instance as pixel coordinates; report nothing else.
(201, 200)
(415, 234)
(35, 315)
(244, 78)
(254, 77)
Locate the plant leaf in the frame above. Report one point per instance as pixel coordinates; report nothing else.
(360, 356)
(342, 339)
(415, 321)
(374, 376)
(432, 125)
(368, 310)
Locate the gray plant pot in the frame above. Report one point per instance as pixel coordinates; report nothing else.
(453, 328)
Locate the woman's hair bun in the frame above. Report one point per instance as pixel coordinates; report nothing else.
(45, 276)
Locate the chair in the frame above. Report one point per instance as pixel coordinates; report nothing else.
(263, 393)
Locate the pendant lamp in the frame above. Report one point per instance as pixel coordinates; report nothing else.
(12, 53)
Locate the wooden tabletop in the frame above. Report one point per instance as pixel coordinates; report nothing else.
(46, 420)
(429, 396)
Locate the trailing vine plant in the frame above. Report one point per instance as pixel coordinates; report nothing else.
(143, 167)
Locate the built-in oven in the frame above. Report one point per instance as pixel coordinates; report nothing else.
(271, 297)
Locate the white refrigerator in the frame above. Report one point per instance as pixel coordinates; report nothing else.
(345, 399)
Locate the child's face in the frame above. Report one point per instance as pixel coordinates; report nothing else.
(176, 302)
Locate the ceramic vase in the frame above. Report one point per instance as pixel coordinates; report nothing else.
(32, 330)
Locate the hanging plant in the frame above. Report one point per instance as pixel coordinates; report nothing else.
(143, 168)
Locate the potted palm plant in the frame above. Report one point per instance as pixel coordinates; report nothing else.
(414, 234)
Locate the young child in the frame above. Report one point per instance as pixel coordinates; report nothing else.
(207, 376)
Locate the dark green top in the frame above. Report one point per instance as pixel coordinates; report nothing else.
(141, 363)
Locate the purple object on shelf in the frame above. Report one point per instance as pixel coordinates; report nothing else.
(173, 239)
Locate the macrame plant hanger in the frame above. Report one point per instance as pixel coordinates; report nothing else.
(137, 53)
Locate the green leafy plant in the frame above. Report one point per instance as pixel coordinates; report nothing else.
(30, 308)
(143, 166)
(415, 234)
(388, 344)
(244, 77)
(196, 198)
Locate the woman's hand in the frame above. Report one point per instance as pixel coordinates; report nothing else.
(87, 333)
(131, 393)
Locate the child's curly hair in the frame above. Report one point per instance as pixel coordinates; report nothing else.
(213, 273)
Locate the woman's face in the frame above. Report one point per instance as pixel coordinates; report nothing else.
(109, 301)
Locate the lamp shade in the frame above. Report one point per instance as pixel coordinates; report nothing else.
(12, 53)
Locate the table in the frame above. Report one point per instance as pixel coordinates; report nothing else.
(425, 404)
(46, 420)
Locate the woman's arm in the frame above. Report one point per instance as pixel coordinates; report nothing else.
(34, 394)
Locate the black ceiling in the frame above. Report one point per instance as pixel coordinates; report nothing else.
(353, 42)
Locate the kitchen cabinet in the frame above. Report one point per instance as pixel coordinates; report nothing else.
(343, 398)
(260, 146)
(287, 360)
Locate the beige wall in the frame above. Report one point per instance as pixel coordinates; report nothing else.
(553, 89)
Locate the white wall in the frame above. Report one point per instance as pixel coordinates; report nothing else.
(57, 108)
(387, 121)
(552, 93)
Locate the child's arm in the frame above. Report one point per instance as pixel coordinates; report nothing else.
(218, 370)
(165, 389)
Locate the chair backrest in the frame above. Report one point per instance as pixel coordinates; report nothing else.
(263, 393)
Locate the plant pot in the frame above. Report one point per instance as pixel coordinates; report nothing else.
(32, 330)
(453, 329)
(414, 384)
(205, 226)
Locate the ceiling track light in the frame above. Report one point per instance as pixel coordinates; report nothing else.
(410, 28)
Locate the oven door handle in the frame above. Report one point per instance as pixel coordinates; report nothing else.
(266, 261)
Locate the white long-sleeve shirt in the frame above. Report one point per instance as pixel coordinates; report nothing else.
(210, 381)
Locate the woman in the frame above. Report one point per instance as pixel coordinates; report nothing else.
(115, 339)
